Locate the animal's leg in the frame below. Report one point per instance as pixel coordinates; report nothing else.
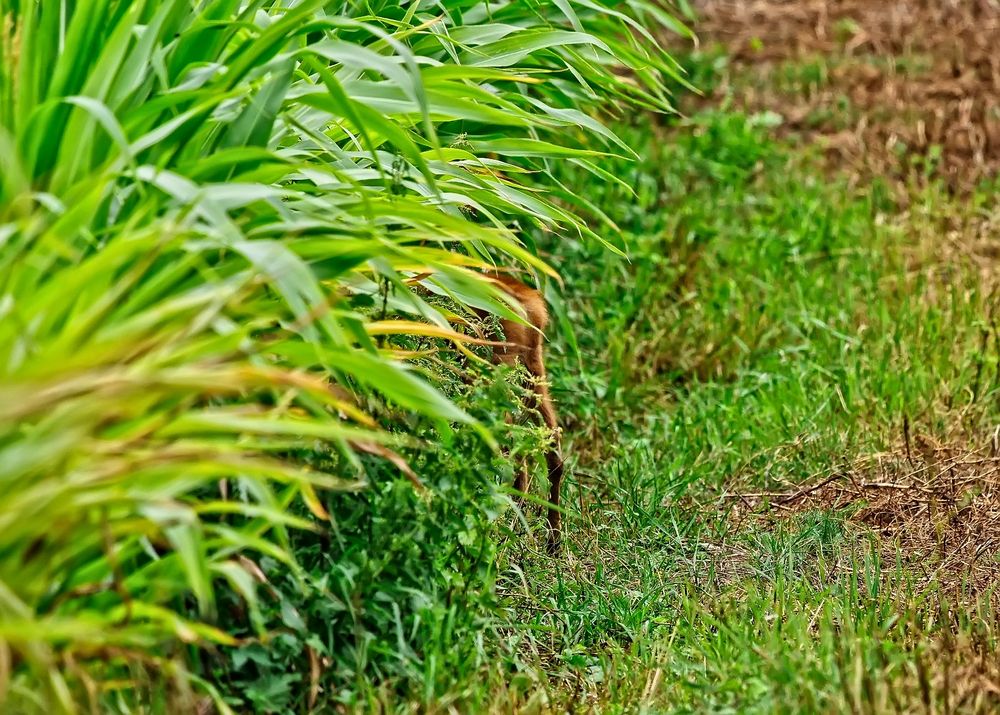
(553, 457)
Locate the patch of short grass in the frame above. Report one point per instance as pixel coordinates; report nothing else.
(772, 327)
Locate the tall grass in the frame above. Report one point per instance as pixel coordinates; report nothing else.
(198, 204)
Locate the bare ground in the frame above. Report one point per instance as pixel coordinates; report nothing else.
(898, 80)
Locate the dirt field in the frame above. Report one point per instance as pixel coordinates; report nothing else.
(894, 88)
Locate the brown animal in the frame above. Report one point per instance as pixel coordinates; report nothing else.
(524, 345)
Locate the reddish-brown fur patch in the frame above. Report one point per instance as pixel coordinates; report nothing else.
(524, 345)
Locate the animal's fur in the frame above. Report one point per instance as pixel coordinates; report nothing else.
(524, 345)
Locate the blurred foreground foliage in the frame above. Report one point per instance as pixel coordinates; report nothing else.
(232, 235)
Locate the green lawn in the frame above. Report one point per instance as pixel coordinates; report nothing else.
(772, 329)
